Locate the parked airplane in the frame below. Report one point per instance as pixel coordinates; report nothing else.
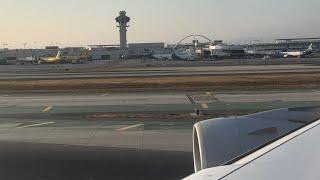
(277, 144)
(185, 54)
(60, 58)
(298, 53)
(26, 60)
(162, 56)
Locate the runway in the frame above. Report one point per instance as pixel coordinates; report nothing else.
(15, 73)
(144, 99)
(51, 135)
(109, 134)
(29, 161)
(112, 119)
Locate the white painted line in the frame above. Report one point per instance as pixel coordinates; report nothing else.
(205, 106)
(130, 127)
(47, 109)
(209, 93)
(103, 95)
(193, 114)
(34, 125)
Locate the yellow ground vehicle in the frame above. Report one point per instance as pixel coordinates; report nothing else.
(60, 58)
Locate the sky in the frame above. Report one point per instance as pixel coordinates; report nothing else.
(84, 22)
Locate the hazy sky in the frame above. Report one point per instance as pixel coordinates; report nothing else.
(83, 22)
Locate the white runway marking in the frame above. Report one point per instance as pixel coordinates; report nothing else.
(34, 125)
(209, 94)
(205, 106)
(47, 109)
(130, 127)
(103, 95)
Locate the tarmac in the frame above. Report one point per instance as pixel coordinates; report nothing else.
(29, 161)
(73, 119)
(69, 72)
(53, 135)
(146, 99)
(128, 134)
(49, 136)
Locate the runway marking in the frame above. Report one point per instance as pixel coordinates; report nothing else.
(47, 109)
(209, 93)
(130, 127)
(193, 114)
(103, 95)
(34, 125)
(205, 106)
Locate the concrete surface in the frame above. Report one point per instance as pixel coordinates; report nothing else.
(59, 71)
(30, 161)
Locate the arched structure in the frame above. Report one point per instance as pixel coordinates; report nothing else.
(193, 35)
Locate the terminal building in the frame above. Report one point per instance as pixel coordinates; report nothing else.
(280, 45)
(140, 50)
(208, 50)
(223, 51)
(105, 52)
(135, 50)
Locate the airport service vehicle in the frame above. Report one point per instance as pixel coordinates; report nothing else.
(162, 56)
(60, 58)
(298, 53)
(277, 144)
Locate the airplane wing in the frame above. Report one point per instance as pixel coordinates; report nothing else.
(294, 155)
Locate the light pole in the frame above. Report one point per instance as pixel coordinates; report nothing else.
(5, 45)
(24, 49)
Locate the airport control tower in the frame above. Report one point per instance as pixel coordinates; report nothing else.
(123, 21)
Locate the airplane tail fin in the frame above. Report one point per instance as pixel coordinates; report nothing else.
(59, 55)
(310, 47)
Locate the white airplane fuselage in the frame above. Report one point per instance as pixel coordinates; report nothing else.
(298, 53)
(294, 54)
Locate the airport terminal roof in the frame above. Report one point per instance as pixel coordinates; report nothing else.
(297, 39)
(105, 45)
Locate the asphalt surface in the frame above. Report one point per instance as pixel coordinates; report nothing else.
(33, 147)
(132, 135)
(69, 118)
(28, 161)
(145, 99)
(38, 144)
(56, 72)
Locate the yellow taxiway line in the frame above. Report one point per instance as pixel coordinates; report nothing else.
(130, 127)
(34, 125)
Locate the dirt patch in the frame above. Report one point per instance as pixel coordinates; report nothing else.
(166, 117)
(161, 84)
(149, 117)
